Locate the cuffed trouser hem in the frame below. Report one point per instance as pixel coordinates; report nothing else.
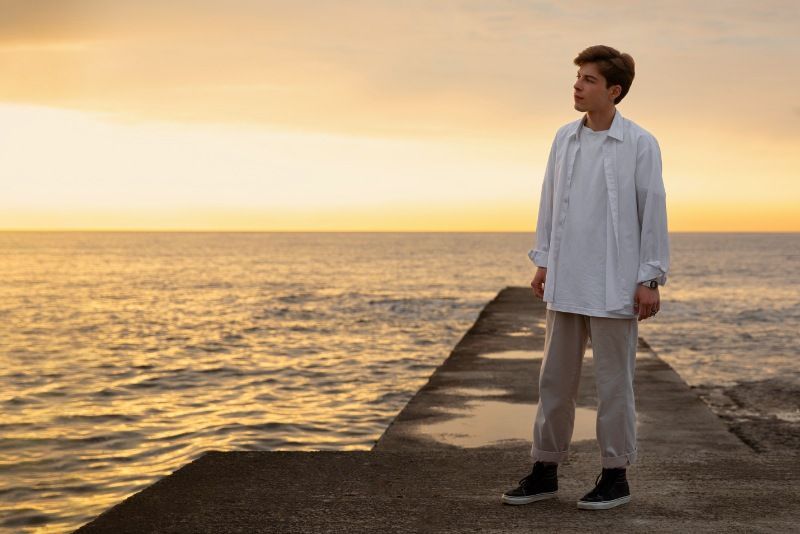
(539, 455)
(619, 461)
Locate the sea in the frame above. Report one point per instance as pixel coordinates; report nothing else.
(125, 355)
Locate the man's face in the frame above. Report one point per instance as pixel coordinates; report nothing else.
(590, 92)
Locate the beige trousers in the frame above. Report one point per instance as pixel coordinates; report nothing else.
(614, 346)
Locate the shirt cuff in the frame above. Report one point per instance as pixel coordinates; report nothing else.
(652, 271)
(538, 257)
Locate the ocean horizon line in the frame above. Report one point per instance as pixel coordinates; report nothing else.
(244, 231)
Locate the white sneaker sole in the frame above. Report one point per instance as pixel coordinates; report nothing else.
(528, 498)
(603, 505)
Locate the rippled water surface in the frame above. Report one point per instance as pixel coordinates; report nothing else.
(126, 355)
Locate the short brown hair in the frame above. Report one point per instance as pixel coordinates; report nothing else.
(615, 66)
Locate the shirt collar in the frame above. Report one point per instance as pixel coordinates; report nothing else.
(614, 131)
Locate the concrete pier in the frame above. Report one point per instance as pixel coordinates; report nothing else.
(464, 438)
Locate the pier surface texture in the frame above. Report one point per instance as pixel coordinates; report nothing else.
(464, 438)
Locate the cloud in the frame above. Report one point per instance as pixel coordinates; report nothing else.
(380, 66)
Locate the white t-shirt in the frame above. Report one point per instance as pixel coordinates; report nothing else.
(580, 284)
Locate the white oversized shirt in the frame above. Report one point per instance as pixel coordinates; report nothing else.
(581, 284)
(633, 212)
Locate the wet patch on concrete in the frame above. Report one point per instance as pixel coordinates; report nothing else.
(533, 329)
(487, 422)
(475, 392)
(539, 354)
(514, 355)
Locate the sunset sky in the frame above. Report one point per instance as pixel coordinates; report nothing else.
(379, 115)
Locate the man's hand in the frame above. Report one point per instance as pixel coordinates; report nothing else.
(646, 302)
(538, 282)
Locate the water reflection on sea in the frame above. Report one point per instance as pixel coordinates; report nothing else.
(126, 355)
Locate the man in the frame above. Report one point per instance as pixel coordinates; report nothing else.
(601, 253)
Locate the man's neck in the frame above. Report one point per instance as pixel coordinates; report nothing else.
(601, 119)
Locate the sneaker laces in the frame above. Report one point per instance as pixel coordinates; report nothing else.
(599, 486)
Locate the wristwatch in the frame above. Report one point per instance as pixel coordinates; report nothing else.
(652, 284)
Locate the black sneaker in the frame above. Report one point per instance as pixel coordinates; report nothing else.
(610, 490)
(541, 484)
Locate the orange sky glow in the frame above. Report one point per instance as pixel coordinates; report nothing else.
(378, 116)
